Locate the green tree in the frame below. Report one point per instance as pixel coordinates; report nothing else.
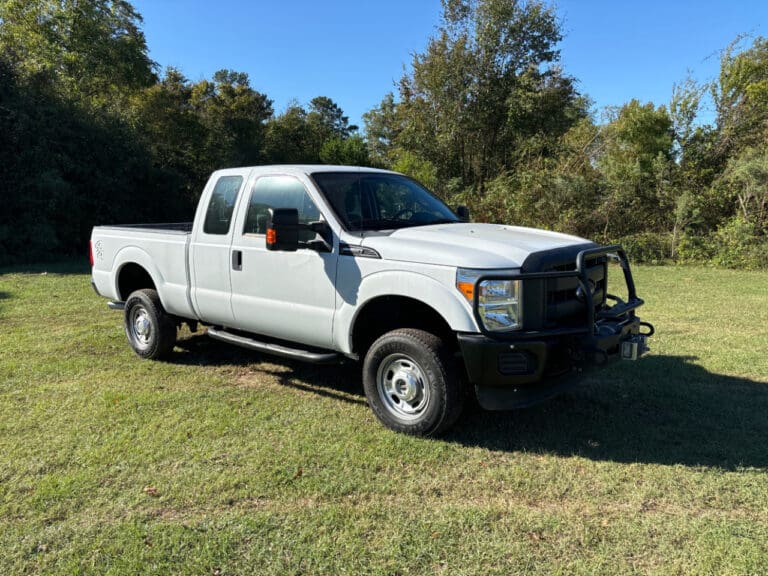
(560, 191)
(93, 50)
(326, 123)
(234, 115)
(487, 90)
(328, 118)
(173, 132)
(698, 163)
(382, 128)
(288, 139)
(636, 160)
(719, 178)
(746, 175)
(741, 95)
(321, 135)
(350, 151)
(65, 169)
(411, 165)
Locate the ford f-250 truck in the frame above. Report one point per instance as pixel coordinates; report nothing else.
(325, 263)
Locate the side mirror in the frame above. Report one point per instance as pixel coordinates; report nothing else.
(463, 213)
(283, 229)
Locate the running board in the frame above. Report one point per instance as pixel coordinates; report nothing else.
(112, 305)
(275, 349)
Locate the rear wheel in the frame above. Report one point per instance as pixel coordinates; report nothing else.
(409, 383)
(150, 330)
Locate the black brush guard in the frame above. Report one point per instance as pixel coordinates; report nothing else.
(522, 367)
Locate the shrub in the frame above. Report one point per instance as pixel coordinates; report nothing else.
(692, 249)
(738, 245)
(648, 247)
(735, 244)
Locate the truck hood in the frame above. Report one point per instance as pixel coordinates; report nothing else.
(468, 245)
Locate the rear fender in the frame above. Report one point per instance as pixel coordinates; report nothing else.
(135, 255)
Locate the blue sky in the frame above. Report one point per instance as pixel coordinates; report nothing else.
(354, 51)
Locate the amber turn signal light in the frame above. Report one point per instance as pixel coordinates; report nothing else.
(468, 289)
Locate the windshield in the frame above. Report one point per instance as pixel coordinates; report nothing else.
(380, 201)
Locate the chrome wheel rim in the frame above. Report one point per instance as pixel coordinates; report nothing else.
(402, 387)
(140, 325)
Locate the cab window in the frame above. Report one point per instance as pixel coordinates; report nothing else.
(221, 205)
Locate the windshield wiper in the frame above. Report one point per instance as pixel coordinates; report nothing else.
(433, 222)
(441, 221)
(369, 224)
(388, 224)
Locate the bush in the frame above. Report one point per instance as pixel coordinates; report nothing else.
(648, 247)
(735, 244)
(738, 245)
(692, 249)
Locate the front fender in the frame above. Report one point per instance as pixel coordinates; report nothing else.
(410, 284)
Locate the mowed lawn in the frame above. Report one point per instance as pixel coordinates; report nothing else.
(223, 461)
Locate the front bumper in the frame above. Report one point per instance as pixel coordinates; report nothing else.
(513, 374)
(518, 369)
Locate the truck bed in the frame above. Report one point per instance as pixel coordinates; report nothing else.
(160, 249)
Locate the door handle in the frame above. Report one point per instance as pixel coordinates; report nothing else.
(237, 259)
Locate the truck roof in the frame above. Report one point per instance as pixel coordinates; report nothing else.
(309, 168)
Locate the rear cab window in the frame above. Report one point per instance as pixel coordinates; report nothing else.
(221, 205)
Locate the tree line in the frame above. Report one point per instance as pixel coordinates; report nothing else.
(91, 133)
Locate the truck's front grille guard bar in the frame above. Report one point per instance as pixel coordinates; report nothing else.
(581, 275)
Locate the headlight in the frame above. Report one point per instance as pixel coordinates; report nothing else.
(498, 301)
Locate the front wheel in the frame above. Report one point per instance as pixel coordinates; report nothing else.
(409, 383)
(150, 330)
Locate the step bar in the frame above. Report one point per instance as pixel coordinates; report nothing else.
(274, 349)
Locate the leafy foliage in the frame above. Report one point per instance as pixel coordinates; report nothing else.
(321, 135)
(92, 51)
(487, 116)
(60, 176)
(92, 133)
(485, 94)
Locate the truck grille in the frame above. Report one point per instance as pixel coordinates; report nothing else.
(553, 302)
(564, 306)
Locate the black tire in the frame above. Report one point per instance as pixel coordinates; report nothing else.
(410, 384)
(150, 330)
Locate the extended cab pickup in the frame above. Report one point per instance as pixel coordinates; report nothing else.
(326, 263)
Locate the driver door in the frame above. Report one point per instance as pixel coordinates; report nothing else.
(286, 295)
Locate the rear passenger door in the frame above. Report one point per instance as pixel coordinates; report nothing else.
(210, 249)
(287, 295)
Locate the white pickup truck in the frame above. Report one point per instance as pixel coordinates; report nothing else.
(327, 263)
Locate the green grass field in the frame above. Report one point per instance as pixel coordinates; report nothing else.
(222, 461)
